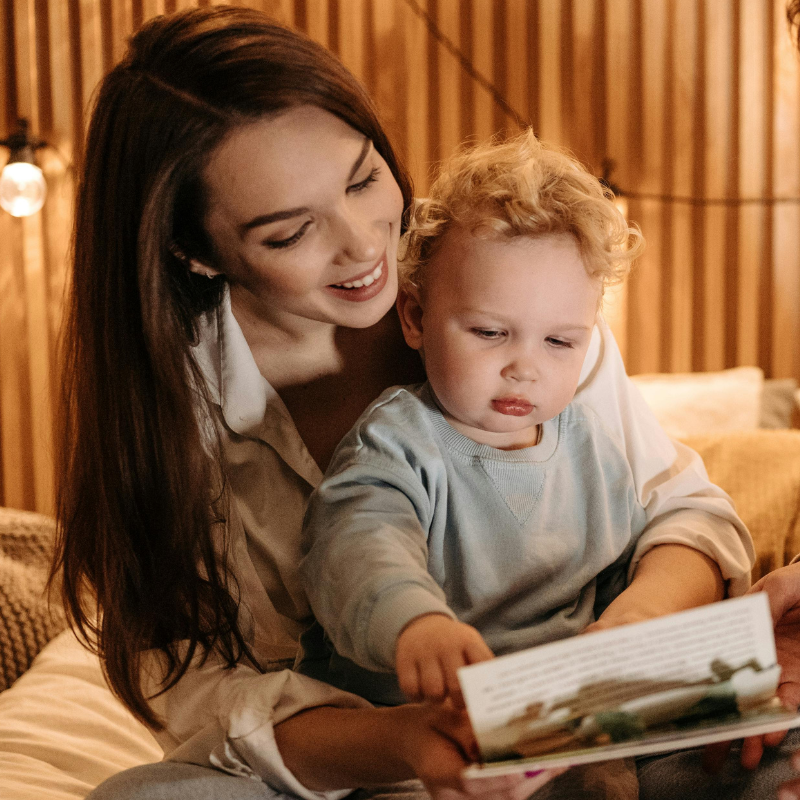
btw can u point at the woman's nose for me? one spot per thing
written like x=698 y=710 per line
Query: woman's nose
x=358 y=239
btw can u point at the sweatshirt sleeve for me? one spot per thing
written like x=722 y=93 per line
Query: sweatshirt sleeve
x=682 y=506
x=366 y=526
x=225 y=718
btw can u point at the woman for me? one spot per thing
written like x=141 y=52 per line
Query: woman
x=235 y=259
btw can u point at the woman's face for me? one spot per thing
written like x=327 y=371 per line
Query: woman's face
x=304 y=216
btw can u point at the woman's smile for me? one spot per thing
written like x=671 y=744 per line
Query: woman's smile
x=364 y=286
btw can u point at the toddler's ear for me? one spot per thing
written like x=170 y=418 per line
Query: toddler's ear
x=410 y=312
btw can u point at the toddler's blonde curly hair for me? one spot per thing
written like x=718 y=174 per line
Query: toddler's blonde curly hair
x=521 y=187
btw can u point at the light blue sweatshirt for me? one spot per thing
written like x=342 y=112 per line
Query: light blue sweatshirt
x=528 y=546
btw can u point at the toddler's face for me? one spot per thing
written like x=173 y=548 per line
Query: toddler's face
x=504 y=327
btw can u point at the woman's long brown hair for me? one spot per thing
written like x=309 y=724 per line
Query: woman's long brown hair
x=141 y=511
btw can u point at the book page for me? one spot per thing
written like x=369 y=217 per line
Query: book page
x=577 y=677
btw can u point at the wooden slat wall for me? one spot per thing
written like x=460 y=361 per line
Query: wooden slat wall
x=691 y=98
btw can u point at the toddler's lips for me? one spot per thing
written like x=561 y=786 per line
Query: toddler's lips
x=513 y=406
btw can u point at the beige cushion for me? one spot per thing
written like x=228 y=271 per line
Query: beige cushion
x=62 y=732
x=760 y=470
x=688 y=404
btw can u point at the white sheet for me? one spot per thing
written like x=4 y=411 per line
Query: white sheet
x=62 y=732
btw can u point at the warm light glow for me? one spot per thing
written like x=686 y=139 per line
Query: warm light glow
x=621 y=203
x=22 y=189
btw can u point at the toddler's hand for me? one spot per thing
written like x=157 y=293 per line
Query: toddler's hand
x=429 y=651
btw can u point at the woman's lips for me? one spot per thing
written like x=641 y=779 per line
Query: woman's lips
x=372 y=283
x=513 y=406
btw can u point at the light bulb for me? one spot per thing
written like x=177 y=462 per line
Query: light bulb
x=22 y=189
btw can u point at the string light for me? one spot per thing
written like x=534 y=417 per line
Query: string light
x=22 y=185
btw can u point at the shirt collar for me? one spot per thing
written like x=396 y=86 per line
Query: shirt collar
x=250 y=406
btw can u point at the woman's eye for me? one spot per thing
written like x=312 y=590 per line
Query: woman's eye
x=489 y=333
x=558 y=342
x=361 y=185
x=277 y=244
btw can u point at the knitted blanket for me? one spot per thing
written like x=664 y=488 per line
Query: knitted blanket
x=27 y=622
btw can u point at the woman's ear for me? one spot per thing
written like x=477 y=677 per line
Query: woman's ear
x=410 y=312
x=193 y=264
x=199 y=268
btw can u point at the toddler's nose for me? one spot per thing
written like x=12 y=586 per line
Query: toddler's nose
x=521 y=368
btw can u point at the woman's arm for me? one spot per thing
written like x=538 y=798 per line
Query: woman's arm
x=330 y=748
x=668 y=578
x=344 y=747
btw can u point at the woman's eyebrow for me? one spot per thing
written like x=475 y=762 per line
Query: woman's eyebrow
x=278 y=216
x=265 y=219
x=360 y=160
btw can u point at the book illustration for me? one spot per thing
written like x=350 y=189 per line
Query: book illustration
x=703 y=675
x=726 y=696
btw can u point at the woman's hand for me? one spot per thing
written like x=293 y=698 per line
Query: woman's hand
x=783 y=590
x=338 y=748
x=438 y=760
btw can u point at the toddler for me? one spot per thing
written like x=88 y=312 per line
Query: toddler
x=488 y=510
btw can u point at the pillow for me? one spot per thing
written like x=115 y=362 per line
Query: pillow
x=760 y=470
x=62 y=732
x=688 y=404
x=27 y=622
x=779 y=403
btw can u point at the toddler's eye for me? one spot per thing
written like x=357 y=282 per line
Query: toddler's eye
x=552 y=340
x=488 y=333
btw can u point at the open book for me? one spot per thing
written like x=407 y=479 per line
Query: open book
x=687 y=679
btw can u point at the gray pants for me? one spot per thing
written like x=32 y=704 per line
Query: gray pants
x=672 y=777
x=169 y=780
x=679 y=775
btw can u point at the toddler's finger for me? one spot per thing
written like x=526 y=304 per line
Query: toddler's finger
x=431 y=679
x=477 y=651
x=451 y=662
x=408 y=679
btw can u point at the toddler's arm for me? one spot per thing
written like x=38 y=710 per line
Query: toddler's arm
x=668 y=578
x=429 y=651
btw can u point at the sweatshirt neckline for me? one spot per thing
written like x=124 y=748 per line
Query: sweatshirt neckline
x=455 y=440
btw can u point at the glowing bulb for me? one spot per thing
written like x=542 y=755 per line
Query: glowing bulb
x=22 y=189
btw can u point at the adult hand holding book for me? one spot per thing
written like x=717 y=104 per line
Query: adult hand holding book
x=782 y=588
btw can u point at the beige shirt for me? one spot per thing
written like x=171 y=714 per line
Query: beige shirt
x=226 y=717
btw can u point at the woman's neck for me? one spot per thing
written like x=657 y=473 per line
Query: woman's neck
x=327 y=375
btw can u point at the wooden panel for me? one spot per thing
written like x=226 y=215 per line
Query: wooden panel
x=786 y=217
x=754 y=128
x=682 y=112
x=516 y=57
x=482 y=125
x=646 y=289
x=417 y=154
x=449 y=79
x=549 y=72
x=317 y=22
x=696 y=101
x=618 y=55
